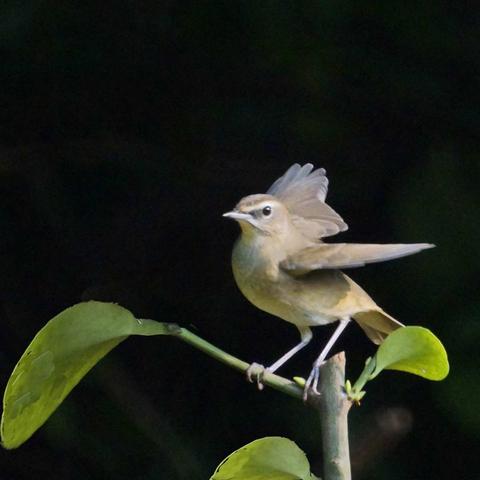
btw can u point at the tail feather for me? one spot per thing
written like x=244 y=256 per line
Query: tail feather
x=377 y=324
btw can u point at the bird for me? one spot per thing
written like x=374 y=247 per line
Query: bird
x=282 y=265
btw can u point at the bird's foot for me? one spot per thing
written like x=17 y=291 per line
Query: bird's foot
x=255 y=373
x=311 y=385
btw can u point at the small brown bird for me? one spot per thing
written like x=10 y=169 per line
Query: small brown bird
x=283 y=267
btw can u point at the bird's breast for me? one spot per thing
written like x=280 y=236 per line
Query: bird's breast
x=254 y=273
x=267 y=287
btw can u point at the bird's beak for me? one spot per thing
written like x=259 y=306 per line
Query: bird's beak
x=237 y=215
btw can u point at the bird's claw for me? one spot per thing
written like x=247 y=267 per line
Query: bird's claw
x=255 y=373
x=311 y=385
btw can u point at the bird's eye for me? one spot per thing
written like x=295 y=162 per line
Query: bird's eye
x=267 y=211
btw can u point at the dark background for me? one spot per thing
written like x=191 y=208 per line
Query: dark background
x=127 y=128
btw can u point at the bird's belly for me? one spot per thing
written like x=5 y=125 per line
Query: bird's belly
x=284 y=299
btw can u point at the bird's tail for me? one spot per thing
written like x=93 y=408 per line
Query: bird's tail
x=377 y=324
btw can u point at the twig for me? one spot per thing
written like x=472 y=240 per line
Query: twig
x=334 y=407
x=275 y=381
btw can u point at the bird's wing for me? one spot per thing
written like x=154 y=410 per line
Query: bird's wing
x=303 y=191
x=346 y=255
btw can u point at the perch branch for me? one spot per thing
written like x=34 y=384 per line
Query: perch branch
x=274 y=381
x=334 y=407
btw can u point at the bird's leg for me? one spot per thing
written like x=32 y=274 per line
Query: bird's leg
x=257 y=370
x=312 y=381
x=306 y=336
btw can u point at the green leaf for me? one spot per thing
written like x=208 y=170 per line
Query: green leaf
x=61 y=353
x=415 y=350
x=269 y=458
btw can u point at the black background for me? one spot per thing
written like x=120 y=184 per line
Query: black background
x=127 y=129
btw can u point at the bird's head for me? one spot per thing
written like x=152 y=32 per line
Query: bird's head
x=260 y=214
x=293 y=206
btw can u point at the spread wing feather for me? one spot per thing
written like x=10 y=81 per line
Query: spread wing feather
x=303 y=191
x=346 y=255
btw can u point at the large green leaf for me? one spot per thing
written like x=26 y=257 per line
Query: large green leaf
x=269 y=458
x=62 y=352
x=415 y=350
